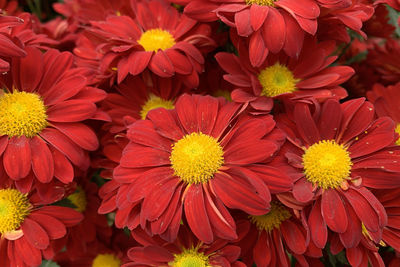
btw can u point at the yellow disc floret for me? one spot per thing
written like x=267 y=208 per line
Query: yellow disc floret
x=14 y=207
x=398 y=131
x=22 y=114
x=196 y=157
x=261 y=2
x=190 y=258
x=155 y=102
x=327 y=164
x=78 y=198
x=277 y=80
x=273 y=219
x=155 y=39
x=106 y=260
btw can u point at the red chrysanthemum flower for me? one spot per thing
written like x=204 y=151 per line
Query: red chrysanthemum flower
x=187 y=250
x=42 y=105
x=180 y=160
x=271 y=235
x=275 y=25
x=28 y=228
x=309 y=75
x=158 y=38
x=337 y=152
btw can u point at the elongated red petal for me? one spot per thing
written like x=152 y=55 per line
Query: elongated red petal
x=42 y=160
x=319 y=232
x=196 y=213
x=333 y=211
x=17 y=157
x=35 y=234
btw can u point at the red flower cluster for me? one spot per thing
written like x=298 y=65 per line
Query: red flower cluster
x=200 y=133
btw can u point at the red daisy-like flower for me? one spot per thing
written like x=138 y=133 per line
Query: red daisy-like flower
x=28 y=228
x=187 y=250
x=273 y=25
x=181 y=160
x=271 y=235
x=309 y=75
x=158 y=38
x=42 y=106
x=338 y=152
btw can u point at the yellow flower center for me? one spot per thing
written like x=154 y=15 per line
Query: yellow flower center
x=327 y=164
x=14 y=207
x=261 y=2
x=398 y=131
x=273 y=219
x=155 y=39
x=22 y=113
x=277 y=80
x=155 y=102
x=196 y=157
x=106 y=260
x=78 y=198
x=190 y=258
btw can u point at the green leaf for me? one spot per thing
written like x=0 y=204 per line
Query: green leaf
x=46 y=263
x=393 y=18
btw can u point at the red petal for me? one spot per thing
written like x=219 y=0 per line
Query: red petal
x=196 y=213
x=181 y=63
x=379 y=135
x=158 y=200
x=143 y=132
x=329 y=121
x=307 y=9
x=54 y=228
x=238 y=195
x=67 y=216
x=305 y=124
x=17 y=157
x=252 y=151
x=138 y=61
x=165 y=124
x=242 y=22
x=136 y=156
x=317 y=81
x=319 y=232
x=363 y=209
x=3 y=143
x=186 y=109
x=71 y=111
x=65 y=145
x=258 y=14
x=66 y=88
x=42 y=160
x=257 y=49
x=220 y=218
x=63 y=169
x=161 y=65
x=274 y=31
x=207 y=111
x=303 y=190
x=294 y=238
x=35 y=234
x=82 y=135
x=23 y=250
x=30 y=69
x=333 y=211
x=353 y=234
